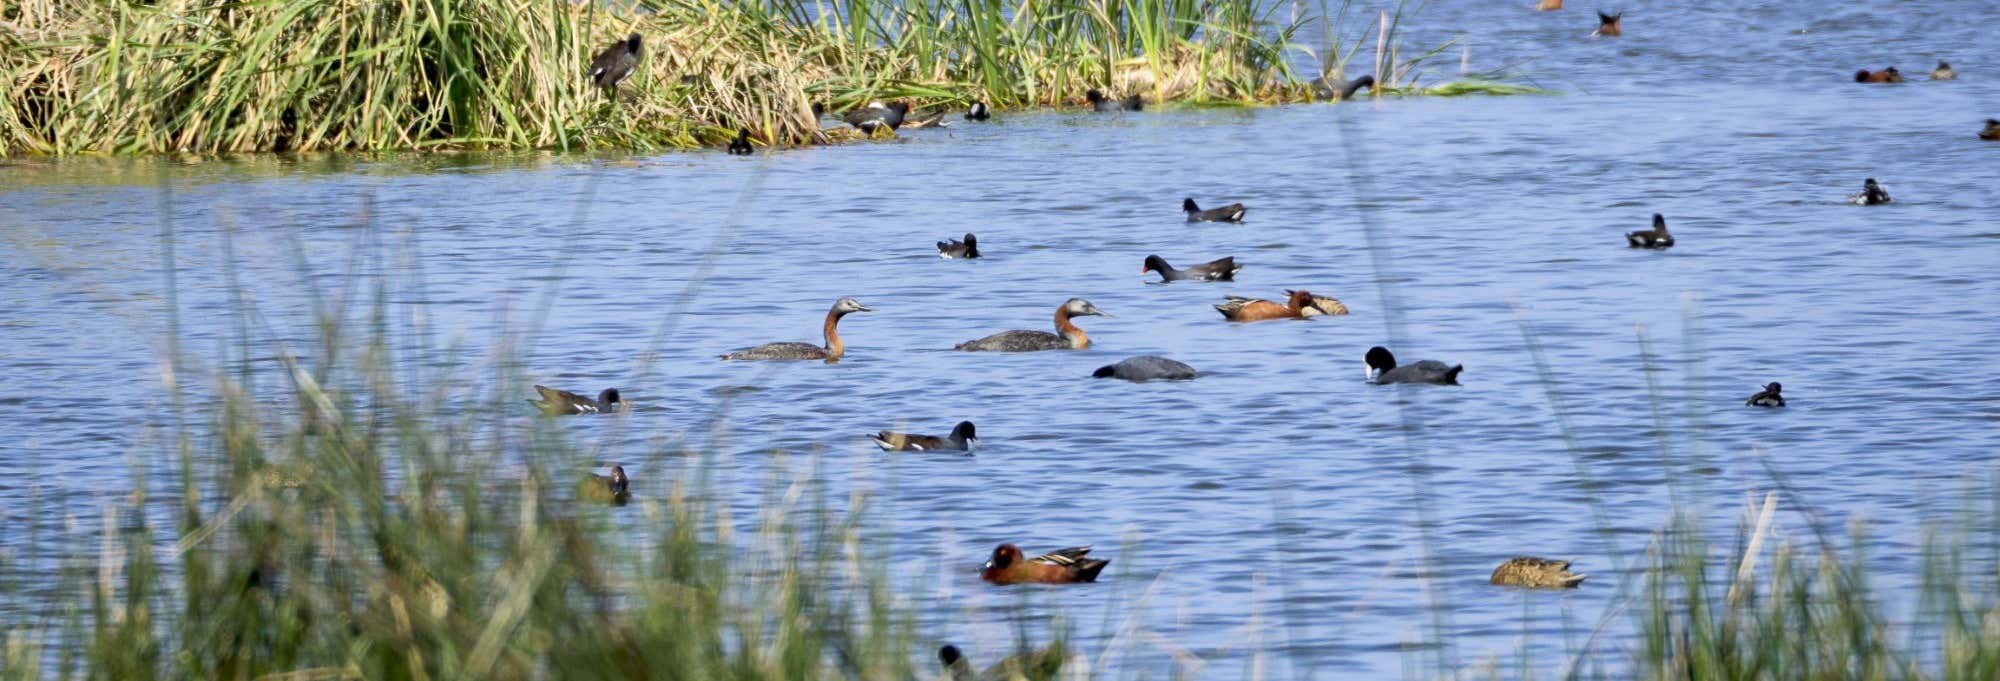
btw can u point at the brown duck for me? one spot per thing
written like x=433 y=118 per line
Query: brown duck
x=1536 y=573
x=1008 y=566
x=1297 y=305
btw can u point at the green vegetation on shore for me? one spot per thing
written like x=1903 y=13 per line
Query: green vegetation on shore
x=203 y=77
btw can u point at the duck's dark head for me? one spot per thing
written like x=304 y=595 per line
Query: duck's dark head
x=610 y=398
x=819 y=109
x=1106 y=371
x=619 y=483
x=1861 y=76
x=1379 y=359
x=632 y=43
x=1943 y=66
x=1869 y=183
x=743 y=135
x=1604 y=20
x=964 y=431
x=1094 y=97
x=970 y=240
x=1004 y=557
x=1299 y=300
x=949 y=655
x=1659 y=222
x=1893 y=73
x=1775 y=387
x=1188 y=206
x=1154 y=263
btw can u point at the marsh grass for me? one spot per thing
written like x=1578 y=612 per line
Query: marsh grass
x=190 y=76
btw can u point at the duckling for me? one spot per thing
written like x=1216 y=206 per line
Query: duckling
x=565 y=403
x=741 y=145
x=1099 y=102
x=1888 y=75
x=1044 y=663
x=1322 y=305
x=962 y=438
x=614 y=489
x=953 y=248
x=876 y=116
x=1067 y=566
x=1771 y=396
x=1146 y=368
x=1607 y=25
x=1655 y=238
x=1871 y=194
x=1221 y=269
x=1298 y=305
x=978 y=112
x=1324 y=88
x=1382 y=369
x=1549 y=5
x=1536 y=573
x=611 y=66
x=1943 y=72
x=787 y=351
x=1230 y=213
x=1066 y=337
x=1991 y=131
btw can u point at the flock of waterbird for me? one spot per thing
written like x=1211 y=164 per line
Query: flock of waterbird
x=1008 y=564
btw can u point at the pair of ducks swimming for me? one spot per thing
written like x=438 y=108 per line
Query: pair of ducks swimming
x=1944 y=71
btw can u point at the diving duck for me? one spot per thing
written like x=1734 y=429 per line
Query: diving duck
x=1007 y=566
x=962 y=438
x=1099 y=102
x=1871 y=194
x=1382 y=369
x=1221 y=269
x=1230 y=213
x=953 y=248
x=1655 y=238
x=1771 y=396
x=741 y=145
x=876 y=116
x=978 y=112
x=1943 y=72
x=1066 y=337
x=1146 y=368
x=1297 y=305
x=787 y=351
x=1607 y=25
x=1888 y=75
x=614 y=489
x=1325 y=89
x=1044 y=663
x=1536 y=573
x=565 y=403
x=611 y=66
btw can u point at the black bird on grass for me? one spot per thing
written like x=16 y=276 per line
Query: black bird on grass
x=611 y=66
x=741 y=145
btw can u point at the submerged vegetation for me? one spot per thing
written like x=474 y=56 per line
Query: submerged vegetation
x=203 y=77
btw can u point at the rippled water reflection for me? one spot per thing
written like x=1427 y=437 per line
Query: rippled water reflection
x=1276 y=504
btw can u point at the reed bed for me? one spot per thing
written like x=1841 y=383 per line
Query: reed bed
x=194 y=76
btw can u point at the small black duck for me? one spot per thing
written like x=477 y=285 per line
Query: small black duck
x=565 y=403
x=1607 y=25
x=1146 y=368
x=1382 y=369
x=1045 y=663
x=1655 y=238
x=1221 y=269
x=1536 y=573
x=741 y=145
x=1771 y=396
x=1888 y=75
x=877 y=116
x=614 y=489
x=962 y=438
x=1872 y=194
x=1944 y=72
x=955 y=249
x=611 y=66
x=1230 y=213
x=1325 y=89
x=1099 y=102
x=978 y=112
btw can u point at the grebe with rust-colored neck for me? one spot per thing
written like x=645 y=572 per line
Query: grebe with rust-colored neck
x=833 y=349
x=1066 y=337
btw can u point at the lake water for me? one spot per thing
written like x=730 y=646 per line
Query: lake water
x=1277 y=504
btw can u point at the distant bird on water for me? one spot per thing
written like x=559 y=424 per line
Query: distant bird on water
x=741 y=145
x=1656 y=238
x=1943 y=72
x=950 y=249
x=1771 y=396
x=1888 y=75
x=1872 y=194
x=1099 y=102
x=1549 y=5
x=1991 y=131
x=1324 y=88
x=978 y=112
x=1536 y=573
x=565 y=403
x=1230 y=213
x=611 y=66
x=1607 y=25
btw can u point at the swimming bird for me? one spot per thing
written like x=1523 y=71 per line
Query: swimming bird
x=1536 y=573
x=1007 y=566
x=962 y=438
x=1771 y=396
x=1991 y=131
x=877 y=115
x=1146 y=368
x=1888 y=75
x=1549 y=5
x=1383 y=370
x=1297 y=305
x=614 y=489
x=1099 y=102
x=565 y=403
x=1322 y=305
x=1607 y=25
x=1230 y=213
x=741 y=145
x=1871 y=194
x=953 y=248
x=1066 y=337
x=1943 y=72
x=1043 y=663
x=1325 y=89
x=1656 y=238
x=833 y=350
x=1222 y=269
x=978 y=112
x=611 y=66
